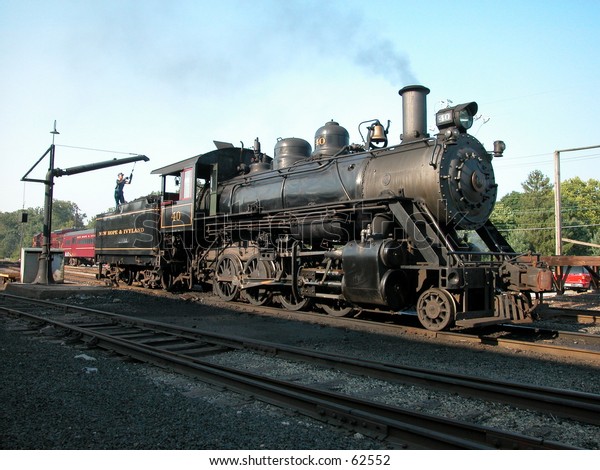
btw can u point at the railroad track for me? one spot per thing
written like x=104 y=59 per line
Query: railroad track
x=183 y=349
x=549 y=343
x=82 y=273
x=573 y=314
x=546 y=342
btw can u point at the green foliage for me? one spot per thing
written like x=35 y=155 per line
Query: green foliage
x=15 y=235
x=66 y=214
x=9 y=238
x=537 y=213
x=537 y=184
x=596 y=241
x=580 y=209
x=581 y=200
x=526 y=219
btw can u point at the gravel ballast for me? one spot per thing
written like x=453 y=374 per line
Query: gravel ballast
x=60 y=396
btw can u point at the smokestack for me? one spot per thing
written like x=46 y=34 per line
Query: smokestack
x=414 y=112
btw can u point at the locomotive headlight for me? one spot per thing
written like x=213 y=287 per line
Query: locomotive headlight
x=460 y=117
x=465 y=118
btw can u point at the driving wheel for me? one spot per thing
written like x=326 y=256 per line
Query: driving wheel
x=256 y=269
x=337 y=308
x=289 y=301
x=226 y=283
x=291 y=298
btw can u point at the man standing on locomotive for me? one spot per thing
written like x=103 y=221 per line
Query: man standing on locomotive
x=121 y=182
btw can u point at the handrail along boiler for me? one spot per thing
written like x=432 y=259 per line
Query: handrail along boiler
x=345 y=227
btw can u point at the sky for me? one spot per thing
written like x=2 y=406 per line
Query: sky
x=166 y=78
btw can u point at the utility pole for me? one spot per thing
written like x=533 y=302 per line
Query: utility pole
x=557 y=203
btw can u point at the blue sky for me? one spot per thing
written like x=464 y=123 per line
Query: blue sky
x=166 y=78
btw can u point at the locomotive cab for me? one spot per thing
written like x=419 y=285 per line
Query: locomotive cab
x=178 y=190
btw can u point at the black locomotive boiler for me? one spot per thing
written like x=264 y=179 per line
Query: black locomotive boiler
x=344 y=227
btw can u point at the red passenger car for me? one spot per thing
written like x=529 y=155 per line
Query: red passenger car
x=79 y=247
x=56 y=238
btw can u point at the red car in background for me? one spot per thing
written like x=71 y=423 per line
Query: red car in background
x=578 y=279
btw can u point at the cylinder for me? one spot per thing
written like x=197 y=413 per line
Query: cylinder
x=414 y=112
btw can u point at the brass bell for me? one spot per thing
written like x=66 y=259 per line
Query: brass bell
x=378 y=133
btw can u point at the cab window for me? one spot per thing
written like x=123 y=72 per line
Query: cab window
x=186 y=191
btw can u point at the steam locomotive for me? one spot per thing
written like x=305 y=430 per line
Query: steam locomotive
x=341 y=227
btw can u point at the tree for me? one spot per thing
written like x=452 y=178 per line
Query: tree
x=537 y=212
x=527 y=219
x=537 y=183
x=581 y=200
x=15 y=235
x=596 y=240
x=505 y=218
x=66 y=214
x=580 y=203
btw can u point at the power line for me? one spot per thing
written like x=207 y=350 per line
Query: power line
x=512 y=164
x=97 y=150
x=516 y=161
x=549 y=210
x=529 y=229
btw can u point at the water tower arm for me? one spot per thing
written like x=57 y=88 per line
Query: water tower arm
x=98 y=166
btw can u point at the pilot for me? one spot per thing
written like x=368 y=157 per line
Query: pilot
x=119 y=197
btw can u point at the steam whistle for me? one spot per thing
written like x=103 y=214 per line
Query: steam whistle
x=257 y=153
